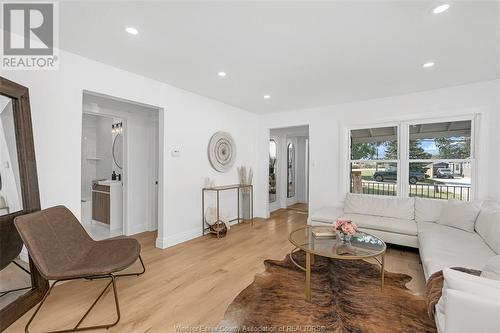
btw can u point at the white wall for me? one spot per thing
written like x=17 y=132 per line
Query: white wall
x=327 y=136
x=493 y=144
x=104 y=142
x=89 y=153
x=188 y=122
x=301 y=178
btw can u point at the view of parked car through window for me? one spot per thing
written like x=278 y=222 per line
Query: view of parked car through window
x=438 y=160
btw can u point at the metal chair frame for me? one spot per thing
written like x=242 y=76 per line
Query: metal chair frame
x=77 y=327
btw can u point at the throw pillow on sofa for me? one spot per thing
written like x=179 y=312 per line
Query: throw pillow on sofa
x=488 y=226
x=460 y=214
x=492 y=269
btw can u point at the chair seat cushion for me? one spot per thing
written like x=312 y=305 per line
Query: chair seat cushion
x=105 y=257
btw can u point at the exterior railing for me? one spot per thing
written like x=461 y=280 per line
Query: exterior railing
x=433 y=191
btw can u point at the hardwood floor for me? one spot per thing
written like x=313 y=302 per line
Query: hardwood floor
x=12 y=277
x=190 y=284
x=301 y=207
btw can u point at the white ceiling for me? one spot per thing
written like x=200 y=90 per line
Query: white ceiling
x=303 y=54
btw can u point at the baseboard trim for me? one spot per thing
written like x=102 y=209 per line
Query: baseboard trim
x=163 y=243
x=178 y=238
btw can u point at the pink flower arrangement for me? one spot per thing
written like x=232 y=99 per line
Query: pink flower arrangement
x=347 y=227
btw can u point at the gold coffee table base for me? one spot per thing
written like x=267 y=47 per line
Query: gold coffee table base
x=377 y=253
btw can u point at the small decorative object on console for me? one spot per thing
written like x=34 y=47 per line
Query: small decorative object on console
x=345 y=229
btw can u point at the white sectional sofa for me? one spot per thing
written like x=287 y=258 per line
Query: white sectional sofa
x=447 y=233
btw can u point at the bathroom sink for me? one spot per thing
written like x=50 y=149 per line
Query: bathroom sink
x=108 y=182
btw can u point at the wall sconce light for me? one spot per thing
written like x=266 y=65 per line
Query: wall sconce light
x=117 y=128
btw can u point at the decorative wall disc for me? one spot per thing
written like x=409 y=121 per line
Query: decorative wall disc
x=221 y=151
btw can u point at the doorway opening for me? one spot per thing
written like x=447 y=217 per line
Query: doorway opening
x=289 y=168
x=120 y=166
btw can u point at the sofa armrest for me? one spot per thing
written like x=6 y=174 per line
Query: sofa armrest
x=465 y=313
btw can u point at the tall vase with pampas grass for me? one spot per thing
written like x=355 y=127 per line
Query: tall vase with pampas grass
x=245 y=179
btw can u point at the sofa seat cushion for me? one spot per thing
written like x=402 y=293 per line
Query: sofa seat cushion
x=382 y=223
x=442 y=247
x=328 y=214
x=377 y=205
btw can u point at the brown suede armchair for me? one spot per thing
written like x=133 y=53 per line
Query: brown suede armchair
x=62 y=250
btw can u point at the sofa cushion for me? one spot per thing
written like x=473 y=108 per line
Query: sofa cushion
x=327 y=214
x=492 y=269
x=460 y=214
x=471 y=303
x=441 y=246
x=401 y=208
x=488 y=226
x=471 y=284
x=470 y=313
x=428 y=210
x=381 y=223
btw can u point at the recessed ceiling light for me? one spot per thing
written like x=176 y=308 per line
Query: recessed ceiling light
x=267 y=96
x=428 y=64
x=132 y=31
x=221 y=74
x=441 y=8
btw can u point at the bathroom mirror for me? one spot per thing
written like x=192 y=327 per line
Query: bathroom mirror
x=21 y=285
x=118 y=150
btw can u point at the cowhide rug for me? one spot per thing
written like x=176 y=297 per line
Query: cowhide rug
x=346 y=297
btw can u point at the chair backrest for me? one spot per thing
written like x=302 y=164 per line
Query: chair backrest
x=10 y=243
x=54 y=238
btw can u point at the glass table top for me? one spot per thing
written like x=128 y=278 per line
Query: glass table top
x=362 y=245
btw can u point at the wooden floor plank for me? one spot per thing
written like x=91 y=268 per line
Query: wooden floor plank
x=192 y=283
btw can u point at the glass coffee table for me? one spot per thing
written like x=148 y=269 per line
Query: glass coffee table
x=361 y=246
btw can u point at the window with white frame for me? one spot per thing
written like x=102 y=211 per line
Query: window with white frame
x=440 y=157
x=434 y=157
x=374 y=162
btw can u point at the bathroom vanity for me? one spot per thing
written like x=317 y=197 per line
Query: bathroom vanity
x=107 y=203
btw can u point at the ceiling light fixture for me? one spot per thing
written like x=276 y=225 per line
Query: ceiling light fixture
x=267 y=96
x=221 y=74
x=132 y=31
x=441 y=8
x=428 y=64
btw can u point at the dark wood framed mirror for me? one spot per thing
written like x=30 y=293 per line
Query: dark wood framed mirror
x=18 y=196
